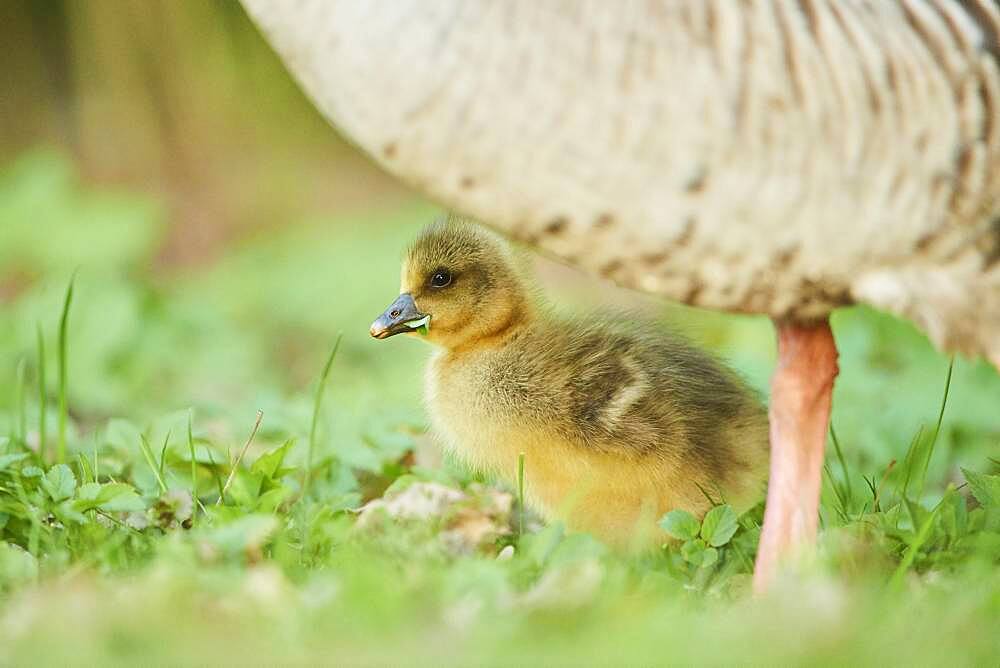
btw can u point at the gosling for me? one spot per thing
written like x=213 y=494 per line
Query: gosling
x=619 y=422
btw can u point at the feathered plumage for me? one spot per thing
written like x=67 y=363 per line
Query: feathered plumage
x=620 y=421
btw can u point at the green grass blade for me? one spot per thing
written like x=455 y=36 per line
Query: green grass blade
x=841 y=507
x=937 y=427
x=194 y=468
x=239 y=458
x=871 y=485
x=147 y=452
x=843 y=467
x=908 y=461
x=911 y=551
x=874 y=492
x=43 y=393
x=163 y=454
x=317 y=404
x=63 y=372
x=20 y=429
x=86 y=472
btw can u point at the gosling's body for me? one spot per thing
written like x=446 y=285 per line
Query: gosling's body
x=618 y=426
x=619 y=422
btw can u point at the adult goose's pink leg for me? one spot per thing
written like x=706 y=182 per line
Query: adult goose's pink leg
x=800 y=416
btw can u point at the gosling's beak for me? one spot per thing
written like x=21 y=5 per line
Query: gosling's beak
x=401 y=316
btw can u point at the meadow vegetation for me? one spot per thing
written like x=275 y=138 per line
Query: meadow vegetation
x=205 y=459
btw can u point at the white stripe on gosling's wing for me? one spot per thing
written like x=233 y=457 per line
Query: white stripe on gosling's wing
x=627 y=395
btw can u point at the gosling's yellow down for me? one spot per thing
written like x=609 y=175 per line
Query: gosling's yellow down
x=619 y=422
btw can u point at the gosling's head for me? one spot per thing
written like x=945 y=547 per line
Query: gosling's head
x=460 y=285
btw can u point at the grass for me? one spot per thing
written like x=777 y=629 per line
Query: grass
x=147 y=453
x=43 y=396
x=317 y=407
x=63 y=373
x=239 y=459
x=20 y=412
x=141 y=539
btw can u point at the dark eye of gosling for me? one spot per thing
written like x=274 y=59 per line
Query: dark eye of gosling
x=441 y=278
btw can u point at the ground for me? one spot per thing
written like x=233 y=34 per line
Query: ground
x=152 y=524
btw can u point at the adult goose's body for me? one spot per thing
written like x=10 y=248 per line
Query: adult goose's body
x=782 y=157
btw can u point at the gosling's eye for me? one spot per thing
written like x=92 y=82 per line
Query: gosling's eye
x=441 y=278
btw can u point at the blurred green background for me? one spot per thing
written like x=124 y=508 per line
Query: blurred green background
x=222 y=235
